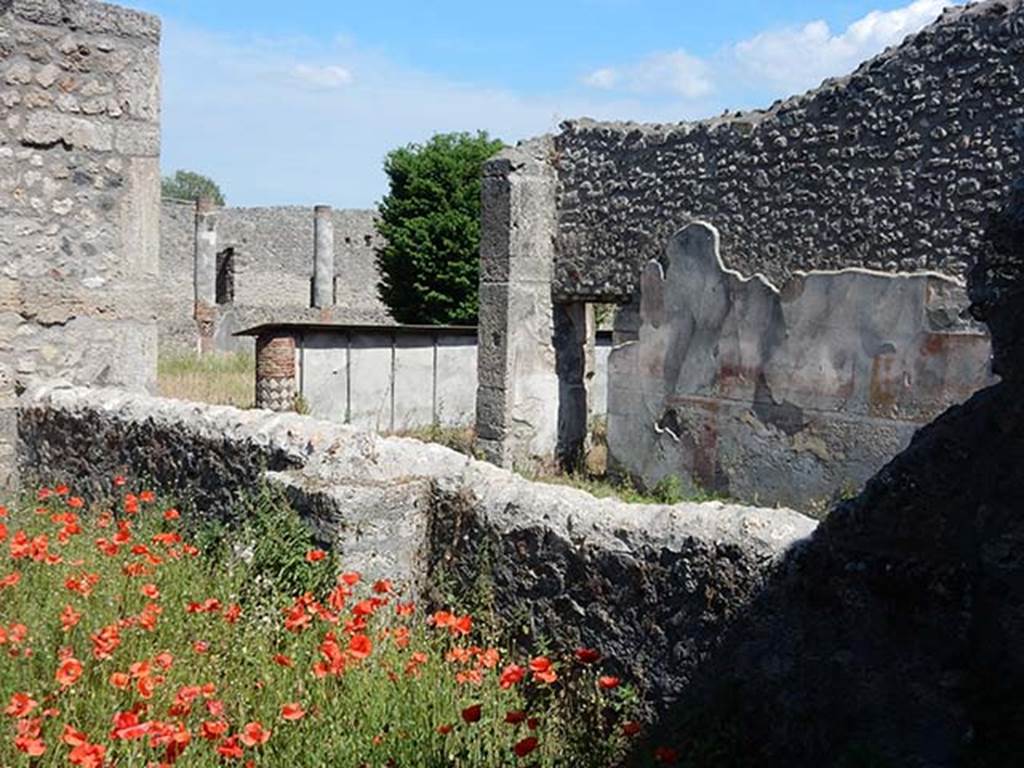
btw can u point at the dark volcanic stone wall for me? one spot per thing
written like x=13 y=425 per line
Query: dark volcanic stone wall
x=895 y=167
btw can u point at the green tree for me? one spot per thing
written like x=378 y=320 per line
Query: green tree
x=430 y=222
x=187 y=185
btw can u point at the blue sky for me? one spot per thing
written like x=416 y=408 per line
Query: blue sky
x=297 y=103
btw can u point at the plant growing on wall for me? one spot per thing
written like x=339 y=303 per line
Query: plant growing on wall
x=430 y=221
x=188 y=185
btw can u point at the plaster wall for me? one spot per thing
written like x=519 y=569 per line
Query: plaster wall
x=786 y=396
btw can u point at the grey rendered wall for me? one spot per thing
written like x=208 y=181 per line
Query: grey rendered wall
x=784 y=396
x=389 y=380
x=79 y=198
x=895 y=167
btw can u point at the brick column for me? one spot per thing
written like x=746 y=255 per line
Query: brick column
x=275 y=372
x=518 y=389
x=205 y=275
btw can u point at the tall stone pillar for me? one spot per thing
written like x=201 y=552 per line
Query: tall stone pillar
x=323 y=257
x=518 y=390
x=205 y=277
x=574 y=355
x=275 y=372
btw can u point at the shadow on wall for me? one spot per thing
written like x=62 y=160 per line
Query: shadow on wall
x=788 y=396
x=895 y=636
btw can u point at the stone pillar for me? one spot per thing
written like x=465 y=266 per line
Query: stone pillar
x=323 y=257
x=205 y=277
x=517 y=395
x=574 y=324
x=275 y=372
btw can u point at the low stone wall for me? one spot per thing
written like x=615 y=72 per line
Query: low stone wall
x=654 y=587
x=789 y=395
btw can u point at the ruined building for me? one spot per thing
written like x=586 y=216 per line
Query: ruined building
x=248 y=266
x=791 y=387
x=890 y=633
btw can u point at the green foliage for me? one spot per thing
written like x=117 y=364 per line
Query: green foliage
x=266 y=547
x=188 y=185
x=669 y=490
x=430 y=221
x=110 y=612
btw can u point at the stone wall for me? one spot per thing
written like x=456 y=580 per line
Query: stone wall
x=273 y=268
x=79 y=197
x=895 y=167
x=895 y=636
x=793 y=395
x=653 y=587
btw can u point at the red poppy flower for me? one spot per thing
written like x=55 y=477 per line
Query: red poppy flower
x=211 y=730
x=526 y=746
x=515 y=716
x=254 y=735
x=73 y=737
x=292 y=712
x=88 y=755
x=151 y=591
x=315 y=555
x=283 y=661
x=472 y=714
x=172 y=514
x=511 y=675
x=666 y=756
x=68 y=672
x=588 y=655
x=21 y=705
x=120 y=680
x=445 y=729
x=10 y=580
x=29 y=745
x=360 y=646
x=630 y=728
x=608 y=682
x=543 y=670
x=229 y=748
x=69 y=618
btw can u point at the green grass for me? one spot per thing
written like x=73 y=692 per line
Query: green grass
x=377 y=680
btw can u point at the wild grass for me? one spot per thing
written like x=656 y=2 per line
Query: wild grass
x=128 y=641
x=217 y=379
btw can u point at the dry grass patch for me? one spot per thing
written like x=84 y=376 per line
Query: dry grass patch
x=219 y=379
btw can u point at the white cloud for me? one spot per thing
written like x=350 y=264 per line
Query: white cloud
x=604 y=79
x=675 y=72
x=329 y=76
x=780 y=61
x=801 y=57
x=232 y=109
